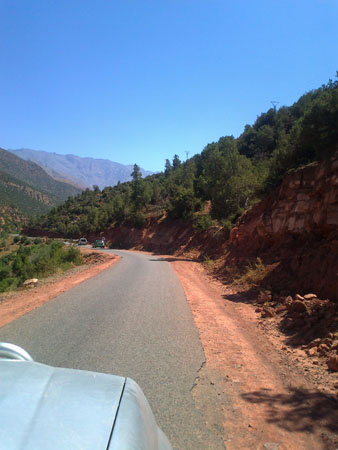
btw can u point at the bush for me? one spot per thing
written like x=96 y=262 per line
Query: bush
x=138 y=219
x=8 y=284
x=36 y=261
x=253 y=274
x=73 y=255
x=202 y=222
x=208 y=262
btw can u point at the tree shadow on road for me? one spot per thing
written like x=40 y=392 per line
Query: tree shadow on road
x=300 y=410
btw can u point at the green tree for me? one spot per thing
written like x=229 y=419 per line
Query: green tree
x=168 y=168
x=176 y=162
x=138 y=188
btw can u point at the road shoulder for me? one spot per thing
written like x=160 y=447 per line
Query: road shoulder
x=16 y=304
x=249 y=392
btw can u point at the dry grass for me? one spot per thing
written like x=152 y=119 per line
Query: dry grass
x=253 y=273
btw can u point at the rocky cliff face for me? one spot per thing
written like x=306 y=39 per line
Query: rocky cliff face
x=306 y=203
x=297 y=225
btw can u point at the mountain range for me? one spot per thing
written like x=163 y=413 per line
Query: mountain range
x=83 y=172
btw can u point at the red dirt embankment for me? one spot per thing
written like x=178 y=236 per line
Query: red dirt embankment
x=294 y=231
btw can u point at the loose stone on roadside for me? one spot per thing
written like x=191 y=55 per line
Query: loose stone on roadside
x=264 y=297
x=332 y=363
x=271 y=446
x=30 y=283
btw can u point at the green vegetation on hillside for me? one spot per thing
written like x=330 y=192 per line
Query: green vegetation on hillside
x=22 y=196
x=35 y=260
x=218 y=184
x=26 y=190
x=33 y=175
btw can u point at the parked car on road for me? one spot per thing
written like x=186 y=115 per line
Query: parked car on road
x=51 y=408
x=82 y=241
x=98 y=243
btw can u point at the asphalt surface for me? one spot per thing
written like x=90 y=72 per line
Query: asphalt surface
x=131 y=320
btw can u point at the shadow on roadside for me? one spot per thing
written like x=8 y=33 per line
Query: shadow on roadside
x=248 y=296
x=300 y=410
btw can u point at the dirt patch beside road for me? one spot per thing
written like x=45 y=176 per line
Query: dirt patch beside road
x=250 y=391
x=16 y=304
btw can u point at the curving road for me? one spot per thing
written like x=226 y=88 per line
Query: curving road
x=132 y=320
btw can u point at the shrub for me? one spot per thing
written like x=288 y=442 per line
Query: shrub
x=253 y=273
x=38 y=260
x=208 y=262
x=73 y=255
x=8 y=284
x=202 y=222
x=138 y=219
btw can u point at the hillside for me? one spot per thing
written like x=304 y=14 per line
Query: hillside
x=26 y=190
x=34 y=175
x=85 y=172
x=24 y=197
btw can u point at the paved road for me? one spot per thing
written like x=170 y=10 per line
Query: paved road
x=131 y=320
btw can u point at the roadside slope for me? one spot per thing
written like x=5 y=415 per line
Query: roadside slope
x=253 y=388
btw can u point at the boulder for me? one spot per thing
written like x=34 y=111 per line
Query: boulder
x=268 y=312
x=312 y=351
x=314 y=343
x=288 y=300
x=332 y=363
x=323 y=348
x=264 y=297
x=328 y=341
x=297 y=306
x=310 y=296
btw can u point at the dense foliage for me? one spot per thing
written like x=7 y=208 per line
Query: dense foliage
x=217 y=184
x=35 y=260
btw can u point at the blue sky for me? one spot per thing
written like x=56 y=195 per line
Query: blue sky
x=140 y=80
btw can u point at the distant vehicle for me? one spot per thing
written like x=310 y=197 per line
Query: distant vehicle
x=52 y=408
x=98 y=243
x=82 y=241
